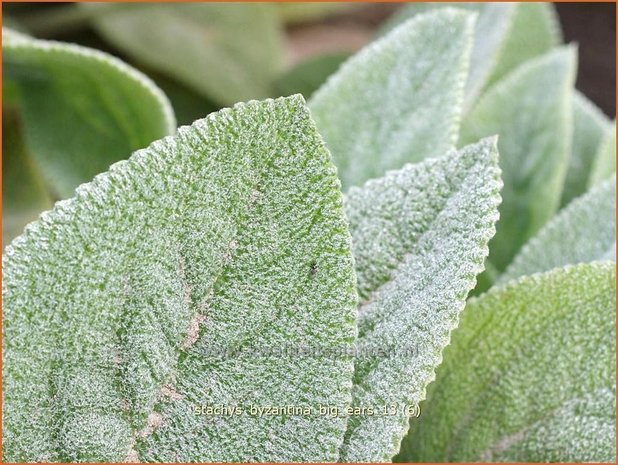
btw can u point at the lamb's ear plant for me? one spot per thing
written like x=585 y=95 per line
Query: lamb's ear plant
x=589 y=128
x=531 y=111
x=223 y=267
x=161 y=284
x=604 y=165
x=585 y=231
x=420 y=237
x=529 y=375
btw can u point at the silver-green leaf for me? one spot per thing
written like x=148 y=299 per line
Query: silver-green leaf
x=529 y=375
x=399 y=99
x=530 y=110
x=227 y=52
x=420 y=237
x=80 y=109
x=584 y=231
x=164 y=286
x=604 y=164
x=533 y=30
x=492 y=28
x=589 y=126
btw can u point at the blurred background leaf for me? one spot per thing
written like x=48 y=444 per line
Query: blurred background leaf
x=79 y=110
x=227 y=52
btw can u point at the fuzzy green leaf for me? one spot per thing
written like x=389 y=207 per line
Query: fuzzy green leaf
x=584 y=231
x=589 y=125
x=490 y=34
x=419 y=236
x=530 y=110
x=529 y=375
x=81 y=110
x=227 y=52
x=399 y=99
x=605 y=160
x=162 y=286
x=534 y=30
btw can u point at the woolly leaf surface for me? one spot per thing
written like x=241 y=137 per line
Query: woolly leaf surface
x=589 y=126
x=530 y=110
x=165 y=284
x=420 y=237
x=399 y=99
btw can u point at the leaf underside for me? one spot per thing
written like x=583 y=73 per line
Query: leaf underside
x=494 y=398
x=121 y=304
x=420 y=237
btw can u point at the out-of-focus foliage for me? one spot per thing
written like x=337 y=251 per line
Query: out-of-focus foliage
x=531 y=111
x=420 y=237
x=79 y=110
x=307 y=76
x=589 y=127
x=585 y=231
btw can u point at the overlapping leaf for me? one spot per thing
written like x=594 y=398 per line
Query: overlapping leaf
x=529 y=375
x=584 y=231
x=399 y=99
x=420 y=236
x=506 y=35
x=589 y=125
x=531 y=111
x=604 y=164
x=121 y=304
x=490 y=33
x=80 y=110
x=228 y=52
x=534 y=30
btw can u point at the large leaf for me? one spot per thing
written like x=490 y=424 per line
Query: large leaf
x=584 y=231
x=604 y=164
x=529 y=375
x=534 y=30
x=399 y=99
x=589 y=125
x=164 y=286
x=420 y=236
x=81 y=109
x=228 y=52
x=23 y=194
x=492 y=28
x=530 y=110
